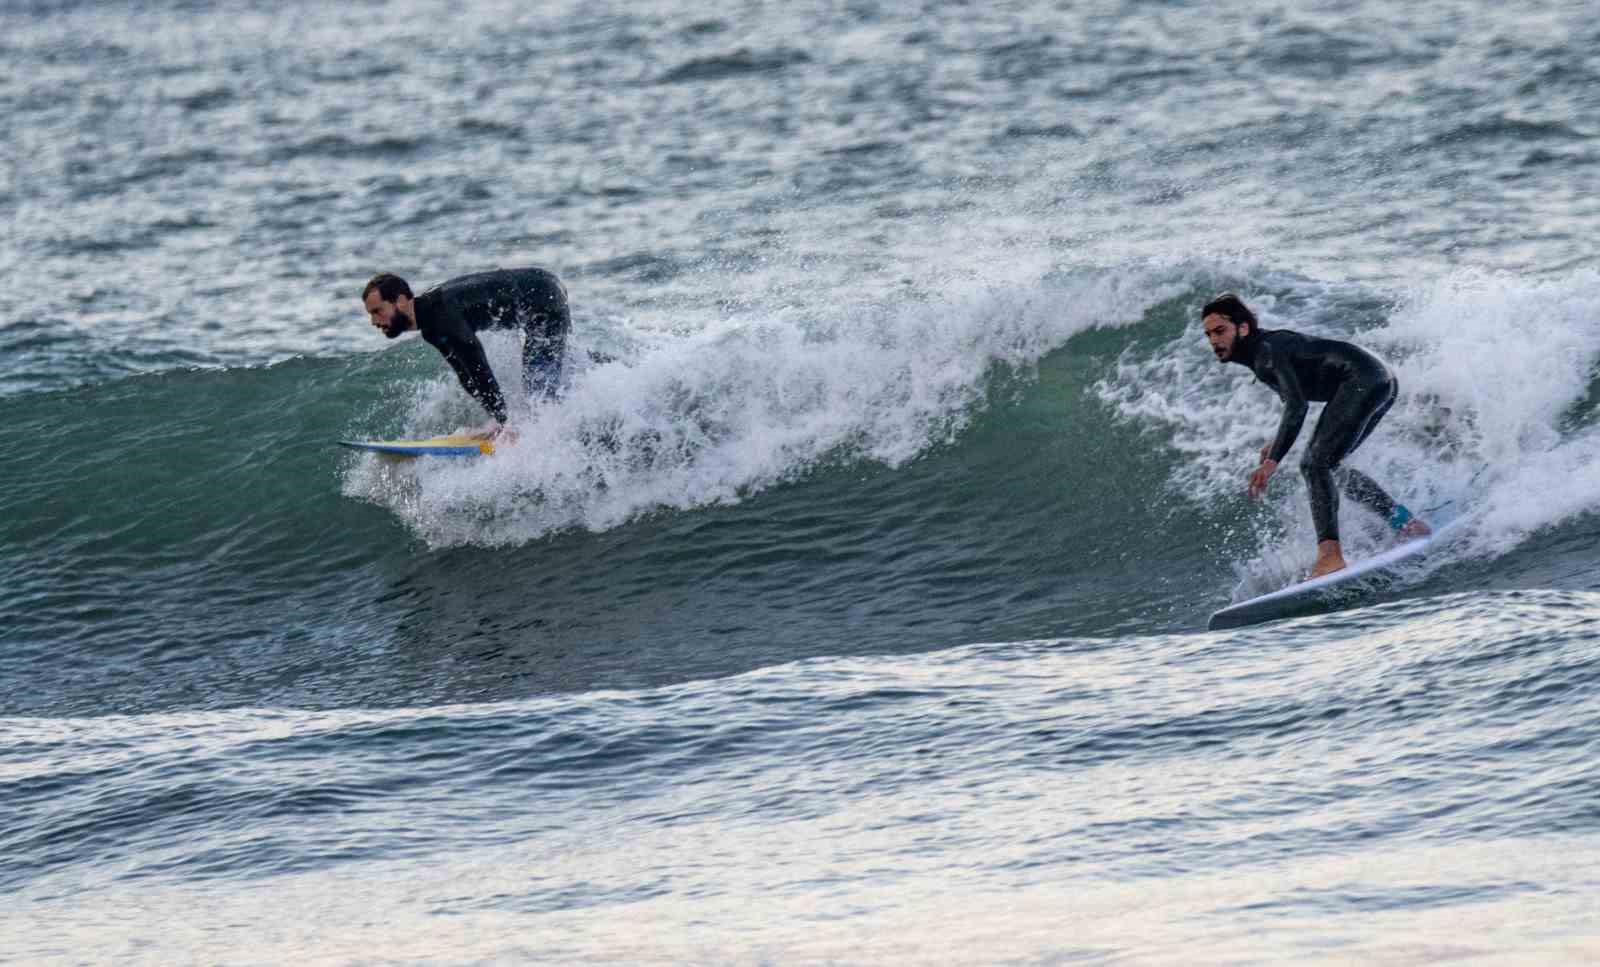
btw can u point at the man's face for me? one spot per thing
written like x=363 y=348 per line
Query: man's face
x=389 y=318
x=1223 y=335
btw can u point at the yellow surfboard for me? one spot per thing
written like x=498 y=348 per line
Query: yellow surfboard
x=439 y=446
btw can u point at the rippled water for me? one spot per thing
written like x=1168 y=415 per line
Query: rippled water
x=848 y=606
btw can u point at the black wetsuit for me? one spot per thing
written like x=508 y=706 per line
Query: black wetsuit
x=1358 y=390
x=450 y=316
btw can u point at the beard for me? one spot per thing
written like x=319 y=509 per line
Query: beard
x=398 y=323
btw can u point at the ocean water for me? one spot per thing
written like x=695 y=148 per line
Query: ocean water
x=849 y=605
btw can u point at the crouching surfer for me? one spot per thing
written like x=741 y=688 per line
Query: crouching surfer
x=1358 y=390
x=451 y=314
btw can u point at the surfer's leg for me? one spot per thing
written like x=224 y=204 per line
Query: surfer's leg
x=1324 y=513
x=1376 y=407
x=1318 y=471
x=1345 y=424
x=546 y=321
x=1365 y=491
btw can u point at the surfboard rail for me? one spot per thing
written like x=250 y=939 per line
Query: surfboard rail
x=440 y=446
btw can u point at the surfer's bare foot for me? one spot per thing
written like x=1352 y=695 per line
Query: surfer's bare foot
x=1329 y=559
x=1414 y=528
x=1327 y=566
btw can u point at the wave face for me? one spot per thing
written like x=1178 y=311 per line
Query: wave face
x=987 y=467
x=847 y=604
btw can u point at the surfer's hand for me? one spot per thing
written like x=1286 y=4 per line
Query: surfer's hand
x=1258 y=480
x=501 y=433
x=487 y=431
x=1266 y=451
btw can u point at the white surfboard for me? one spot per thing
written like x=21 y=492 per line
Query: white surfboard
x=1299 y=598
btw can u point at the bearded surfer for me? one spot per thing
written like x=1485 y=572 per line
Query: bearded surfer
x=1358 y=390
x=451 y=314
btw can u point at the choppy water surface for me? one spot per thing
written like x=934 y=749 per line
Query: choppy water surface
x=847 y=606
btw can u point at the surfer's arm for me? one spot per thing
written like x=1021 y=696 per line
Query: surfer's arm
x=465 y=355
x=1294 y=407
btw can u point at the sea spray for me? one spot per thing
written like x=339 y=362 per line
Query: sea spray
x=710 y=416
x=1491 y=367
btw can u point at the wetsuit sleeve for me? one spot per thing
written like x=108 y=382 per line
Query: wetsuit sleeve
x=1294 y=404
x=465 y=354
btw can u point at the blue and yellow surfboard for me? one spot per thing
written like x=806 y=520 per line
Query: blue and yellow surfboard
x=439 y=446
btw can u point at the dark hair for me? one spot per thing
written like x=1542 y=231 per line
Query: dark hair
x=1230 y=305
x=390 y=287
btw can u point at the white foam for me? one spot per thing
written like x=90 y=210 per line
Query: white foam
x=710 y=415
x=1490 y=368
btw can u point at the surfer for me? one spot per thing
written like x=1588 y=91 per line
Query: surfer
x=1358 y=390
x=451 y=314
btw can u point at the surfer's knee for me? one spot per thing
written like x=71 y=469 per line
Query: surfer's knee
x=1314 y=466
